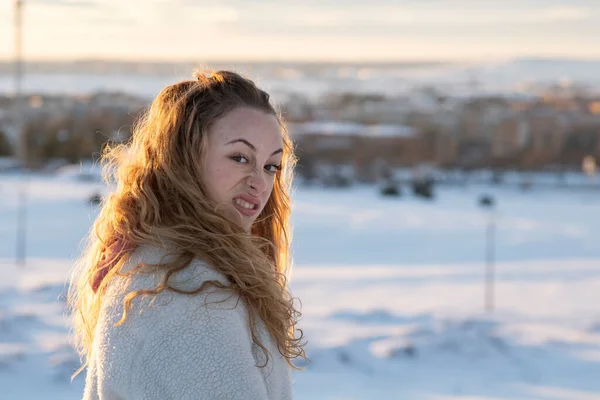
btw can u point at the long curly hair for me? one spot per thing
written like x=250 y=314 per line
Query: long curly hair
x=157 y=197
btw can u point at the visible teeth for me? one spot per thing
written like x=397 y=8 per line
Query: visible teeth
x=244 y=204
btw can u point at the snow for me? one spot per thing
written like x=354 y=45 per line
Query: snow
x=514 y=78
x=392 y=290
x=351 y=129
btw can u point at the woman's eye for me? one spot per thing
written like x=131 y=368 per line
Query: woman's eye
x=272 y=168
x=240 y=159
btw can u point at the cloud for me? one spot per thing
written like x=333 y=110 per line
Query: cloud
x=404 y=21
x=114 y=20
x=566 y=13
x=67 y=3
x=228 y=27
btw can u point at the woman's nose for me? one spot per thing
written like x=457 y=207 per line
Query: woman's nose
x=257 y=182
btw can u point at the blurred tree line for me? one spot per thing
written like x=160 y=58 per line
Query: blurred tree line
x=6 y=148
x=71 y=136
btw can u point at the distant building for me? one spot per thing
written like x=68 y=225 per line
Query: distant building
x=510 y=136
x=364 y=146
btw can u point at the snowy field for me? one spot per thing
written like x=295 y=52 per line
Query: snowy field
x=492 y=77
x=392 y=293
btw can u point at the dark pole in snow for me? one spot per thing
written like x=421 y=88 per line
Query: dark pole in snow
x=488 y=202
x=22 y=225
x=490 y=270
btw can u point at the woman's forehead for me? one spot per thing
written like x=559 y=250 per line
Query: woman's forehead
x=257 y=127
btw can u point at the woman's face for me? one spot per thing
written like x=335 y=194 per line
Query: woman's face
x=243 y=152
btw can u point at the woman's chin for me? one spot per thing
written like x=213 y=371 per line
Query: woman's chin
x=237 y=218
x=244 y=223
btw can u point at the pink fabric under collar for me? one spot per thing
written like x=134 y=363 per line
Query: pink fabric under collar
x=110 y=257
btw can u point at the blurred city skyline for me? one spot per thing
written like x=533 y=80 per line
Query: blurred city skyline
x=381 y=30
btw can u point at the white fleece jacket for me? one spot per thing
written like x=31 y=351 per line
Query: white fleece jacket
x=180 y=346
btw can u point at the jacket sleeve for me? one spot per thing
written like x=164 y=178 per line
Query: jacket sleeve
x=201 y=351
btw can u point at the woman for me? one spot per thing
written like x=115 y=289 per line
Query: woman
x=182 y=292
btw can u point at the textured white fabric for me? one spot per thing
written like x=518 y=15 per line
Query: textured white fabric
x=179 y=346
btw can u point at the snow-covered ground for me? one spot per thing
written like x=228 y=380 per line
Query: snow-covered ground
x=392 y=292
x=508 y=77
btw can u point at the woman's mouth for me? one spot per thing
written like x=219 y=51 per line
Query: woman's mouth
x=245 y=208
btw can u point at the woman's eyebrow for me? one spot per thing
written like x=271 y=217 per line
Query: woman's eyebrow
x=247 y=143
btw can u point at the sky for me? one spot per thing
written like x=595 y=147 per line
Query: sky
x=303 y=30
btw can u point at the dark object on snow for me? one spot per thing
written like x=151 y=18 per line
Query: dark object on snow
x=526 y=185
x=497 y=178
x=391 y=189
x=408 y=351
x=95 y=199
x=487 y=201
x=337 y=181
x=423 y=188
x=344 y=357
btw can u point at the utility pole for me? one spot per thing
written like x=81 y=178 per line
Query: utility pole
x=21 y=146
x=490 y=270
x=18 y=47
x=488 y=202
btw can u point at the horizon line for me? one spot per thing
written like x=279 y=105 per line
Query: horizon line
x=295 y=61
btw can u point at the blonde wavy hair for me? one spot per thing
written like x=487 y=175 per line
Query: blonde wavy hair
x=157 y=193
